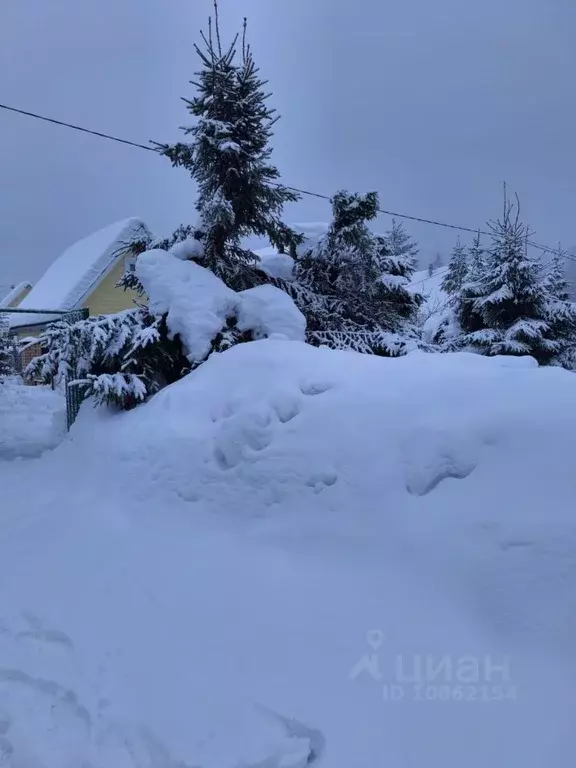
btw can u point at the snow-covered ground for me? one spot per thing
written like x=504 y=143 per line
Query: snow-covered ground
x=293 y=558
x=32 y=420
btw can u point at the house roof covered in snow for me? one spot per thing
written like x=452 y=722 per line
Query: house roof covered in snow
x=74 y=275
x=13 y=294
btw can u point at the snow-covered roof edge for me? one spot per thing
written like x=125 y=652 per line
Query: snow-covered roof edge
x=78 y=271
x=13 y=294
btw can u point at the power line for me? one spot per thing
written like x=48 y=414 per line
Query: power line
x=307 y=193
x=544 y=248
x=76 y=127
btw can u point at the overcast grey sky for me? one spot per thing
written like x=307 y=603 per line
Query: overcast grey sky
x=433 y=104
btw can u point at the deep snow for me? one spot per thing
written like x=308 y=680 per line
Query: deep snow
x=32 y=419
x=244 y=540
x=198 y=304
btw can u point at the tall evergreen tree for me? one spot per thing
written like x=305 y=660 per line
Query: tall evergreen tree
x=229 y=158
x=511 y=299
x=456 y=273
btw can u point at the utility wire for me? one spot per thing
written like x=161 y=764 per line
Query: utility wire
x=307 y=193
x=76 y=127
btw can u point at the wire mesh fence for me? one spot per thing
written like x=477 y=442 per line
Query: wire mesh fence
x=25 y=349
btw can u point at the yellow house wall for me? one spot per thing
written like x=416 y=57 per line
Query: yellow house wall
x=107 y=298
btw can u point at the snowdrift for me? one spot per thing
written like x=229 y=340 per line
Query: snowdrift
x=286 y=422
x=32 y=420
x=236 y=568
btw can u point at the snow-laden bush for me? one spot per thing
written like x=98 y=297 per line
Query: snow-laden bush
x=6 y=356
x=124 y=358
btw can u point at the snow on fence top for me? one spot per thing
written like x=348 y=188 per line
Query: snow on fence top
x=75 y=273
x=13 y=294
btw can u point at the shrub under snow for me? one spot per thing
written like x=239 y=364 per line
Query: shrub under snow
x=124 y=358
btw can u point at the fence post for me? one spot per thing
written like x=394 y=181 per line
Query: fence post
x=74 y=397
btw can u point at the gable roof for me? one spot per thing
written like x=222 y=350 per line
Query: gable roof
x=13 y=294
x=73 y=276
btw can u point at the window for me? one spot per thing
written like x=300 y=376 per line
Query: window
x=129 y=264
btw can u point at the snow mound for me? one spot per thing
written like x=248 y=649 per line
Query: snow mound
x=32 y=420
x=276 y=264
x=196 y=301
x=274 y=419
x=190 y=248
x=267 y=310
x=281 y=265
x=73 y=275
x=255 y=567
x=198 y=304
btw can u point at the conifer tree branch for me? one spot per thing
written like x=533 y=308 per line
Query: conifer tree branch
x=217 y=26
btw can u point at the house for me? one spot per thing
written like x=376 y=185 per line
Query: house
x=15 y=295
x=85 y=276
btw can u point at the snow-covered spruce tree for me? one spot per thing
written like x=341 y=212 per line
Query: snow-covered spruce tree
x=555 y=281
x=476 y=260
x=402 y=248
x=469 y=319
x=395 y=269
x=6 y=356
x=116 y=359
x=560 y=311
x=456 y=273
x=122 y=359
x=448 y=331
x=349 y=301
x=511 y=300
x=228 y=156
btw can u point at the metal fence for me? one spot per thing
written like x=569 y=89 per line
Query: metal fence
x=73 y=395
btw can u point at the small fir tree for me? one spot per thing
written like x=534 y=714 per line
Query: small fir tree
x=511 y=299
x=7 y=367
x=560 y=311
x=468 y=318
x=402 y=248
x=456 y=273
